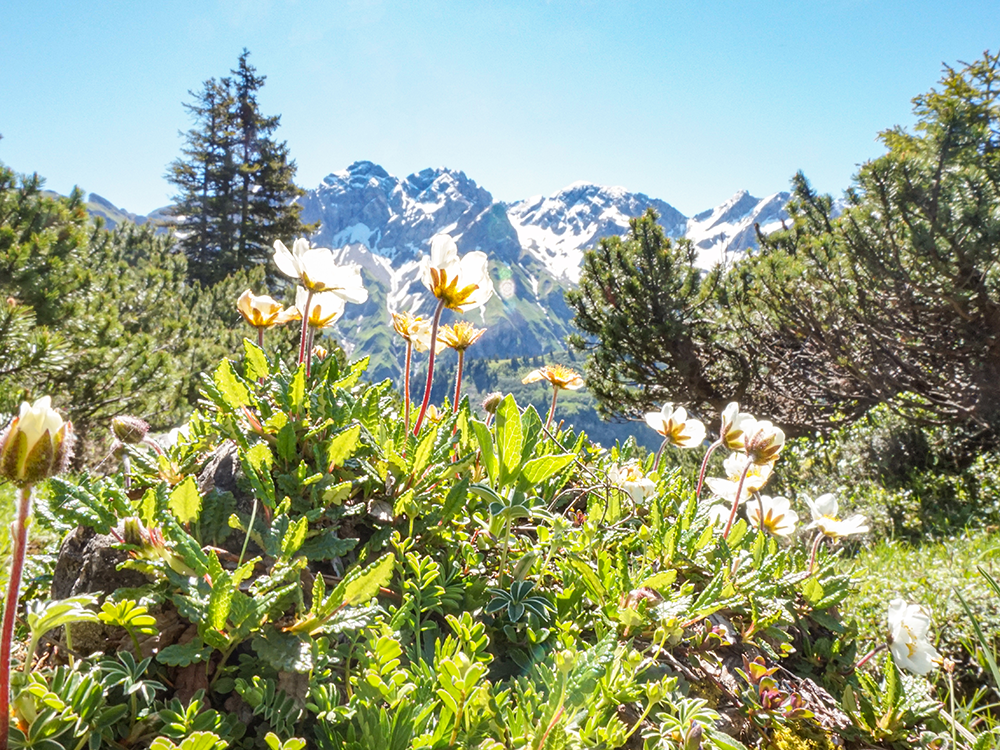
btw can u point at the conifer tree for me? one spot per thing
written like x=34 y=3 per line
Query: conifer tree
x=646 y=317
x=898 y=298
x=235 y=181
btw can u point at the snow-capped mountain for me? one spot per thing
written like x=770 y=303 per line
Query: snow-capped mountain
x=725 y=232
x=557 y=229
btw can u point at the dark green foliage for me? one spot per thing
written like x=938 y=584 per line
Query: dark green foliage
x=899 y=297
x=104 y=321
x=234 y=180
x=648 y=323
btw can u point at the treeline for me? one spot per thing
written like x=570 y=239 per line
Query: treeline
x=106 y=322
x=895 y=300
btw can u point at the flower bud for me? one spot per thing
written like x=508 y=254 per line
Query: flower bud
x=492 y=402
x=37 y=444
x=320 y=352
x=130 y=430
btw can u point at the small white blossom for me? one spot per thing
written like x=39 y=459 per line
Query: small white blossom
x=909 y=643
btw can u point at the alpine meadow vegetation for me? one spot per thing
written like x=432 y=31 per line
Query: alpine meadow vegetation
x=311 y=559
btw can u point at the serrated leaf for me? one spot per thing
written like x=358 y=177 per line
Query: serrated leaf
x=326 y=546
x=185 y=501
x=297 y=390
x=362 y=585
x=539 y=469
x=661 y=581
x=255 y=362
x=343 y=446
x=351 y=379
x=294 y=537
x=510 y=439
x=485 y=439
x=185 y=654
x=422 y=455
x=287 y=442
x=233 y=392
x=286 y=652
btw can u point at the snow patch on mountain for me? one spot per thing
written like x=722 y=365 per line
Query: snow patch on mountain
x=725 y=232
x=555 y=230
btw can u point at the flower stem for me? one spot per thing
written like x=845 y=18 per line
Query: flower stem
x=305 y=327
x=659 y=455
x=736 y=500
x=406 y=386
x=458 y=378
x=19 y=534
x=815 y=549
x=552 y=409
x=430 y=368
x=260 y=338
x=704 y=467
x=309 y=352
x=867 y=657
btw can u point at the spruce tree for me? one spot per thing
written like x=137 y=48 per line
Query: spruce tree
x=235 y=182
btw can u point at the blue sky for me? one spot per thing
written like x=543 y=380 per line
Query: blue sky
x=685 y=101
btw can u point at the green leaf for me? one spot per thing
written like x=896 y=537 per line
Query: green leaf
x=661 y=581
x=256 y=362
x=510 y=439
x=185 y=654
x=485 y=439
x=343 y=446
x=361 y=585
x=185 y=501
x=539 y=469
x=286 y=652
x=233 y=392
x=294 y=537
x=287 y=442
x=422 y=455
x=351 y=379
x=297 y=390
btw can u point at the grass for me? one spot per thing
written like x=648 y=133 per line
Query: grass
x=930 y=574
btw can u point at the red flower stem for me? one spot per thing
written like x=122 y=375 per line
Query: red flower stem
x=309 y=352
x=430 y=368
x=736 y=501
x=406 y=386
x=867 y=657
x=19 y=533
x=305 y=327
x=659 y=455
x=815 y=551
x=458 y=379
x=260 y=337
x=704 y=466
x=552 y=410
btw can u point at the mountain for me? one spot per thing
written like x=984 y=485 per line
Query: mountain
x=384 y=224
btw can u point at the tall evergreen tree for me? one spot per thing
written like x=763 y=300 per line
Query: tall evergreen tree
x=235 y=181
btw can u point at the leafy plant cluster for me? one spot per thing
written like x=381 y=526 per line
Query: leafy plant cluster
x=105 y=321
x=340 y=582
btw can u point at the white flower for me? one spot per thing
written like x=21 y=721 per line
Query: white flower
x=756 y=478
x=324 y=307
x=779 y=518
x=675 y=427
x=461 y=283
x=631 y=479
x=911 y=649
x=718 y=514
x=824 y=514
x=763 y=442
x=264 y=311
x=318 y=271
x=734 y=427
x=37 y=444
